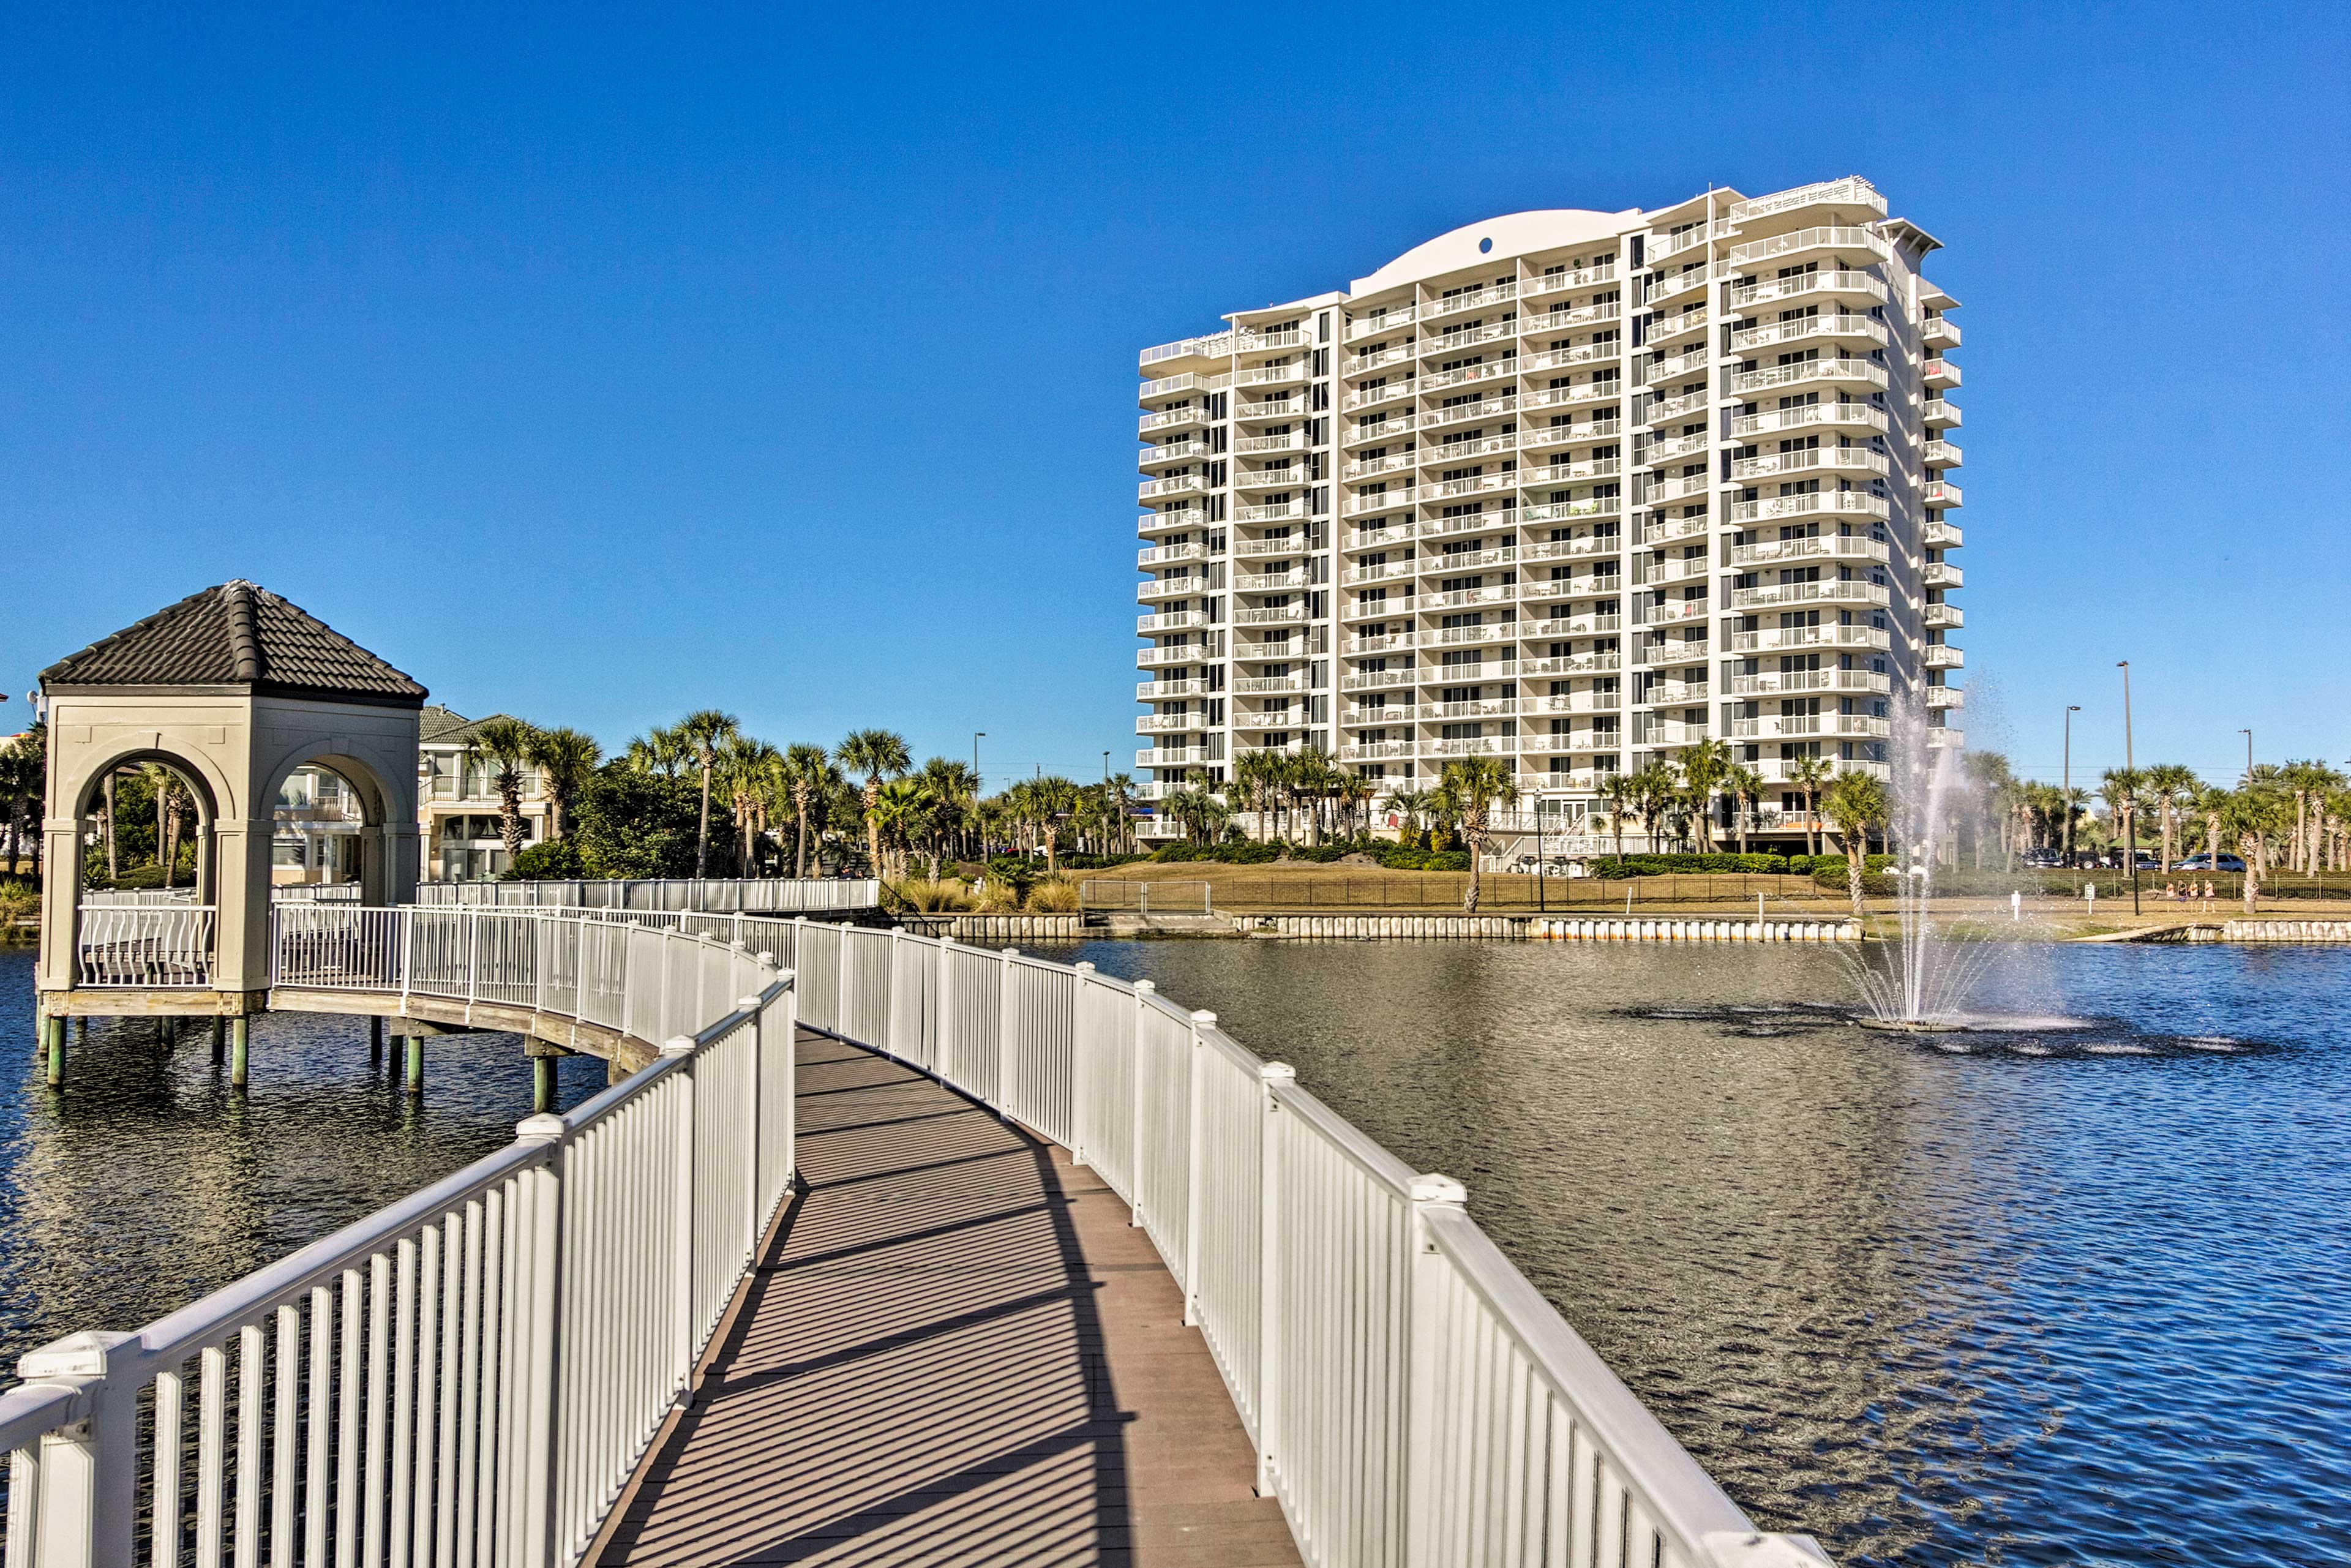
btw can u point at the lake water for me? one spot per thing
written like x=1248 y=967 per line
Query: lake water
x=2071 y=1297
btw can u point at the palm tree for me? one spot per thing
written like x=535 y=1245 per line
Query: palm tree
x=2169 y=786
x=501 y=746
x=2256 y=815
x=171 y=796
x=1471 y=788
x=1618 y=790
x=1811 y=774
x=2121 y=787
x=1052 y=798
x=2071 y=802
x=113 y=858
x=878 y=754
x=745 y=768
x=1705 y=766
x=21 y=769
x=804 y=774
x=1121 y=793
x=1856 y=802
x=1745 y=788
x=566 y=760
x=900 y=814
x=656 y=751
x=698 y=736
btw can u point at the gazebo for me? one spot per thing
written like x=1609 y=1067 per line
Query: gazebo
x=232 y=688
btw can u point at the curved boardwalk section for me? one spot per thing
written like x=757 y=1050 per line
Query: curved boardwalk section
x=957 y=1350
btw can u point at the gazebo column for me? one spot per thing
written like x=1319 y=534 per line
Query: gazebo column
x=241 y=939
x=60 y=901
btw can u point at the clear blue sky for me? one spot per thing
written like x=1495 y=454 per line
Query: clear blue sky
x=598 y=369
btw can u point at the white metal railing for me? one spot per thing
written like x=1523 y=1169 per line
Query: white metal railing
x=149 y=946
x=1412 y=1399
x=707 y=894
x=472 y=1373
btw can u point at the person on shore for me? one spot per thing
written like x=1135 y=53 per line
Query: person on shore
x=2208 y=895
x=2171 y=894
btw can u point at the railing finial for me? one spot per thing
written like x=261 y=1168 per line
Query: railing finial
x=1436 y=1188
x=543 y=1128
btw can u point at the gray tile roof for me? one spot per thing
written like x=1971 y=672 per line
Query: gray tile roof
x=240 y=637
x=457 y=734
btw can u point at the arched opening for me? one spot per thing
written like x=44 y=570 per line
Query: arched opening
x=327 y=841
x=146 y=890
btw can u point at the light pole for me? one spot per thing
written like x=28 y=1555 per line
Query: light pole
x=2065 y=790
x=2130 y=792
x=2248 y=752
x=979 y=787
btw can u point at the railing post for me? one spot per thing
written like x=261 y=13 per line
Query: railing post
x=1080 y=1078
x=1006 y=1019
x=754 y=1220
x=890 y=996
x=1271 y=1077
x=1144 y=990
x=85 y=1498
x=1197 y=1066
x=943 y=1047
x=840 y=988
x=407 y=918
x=539 y=1424
x=472 y=958
x=682 y=1217
x=1424 y=1320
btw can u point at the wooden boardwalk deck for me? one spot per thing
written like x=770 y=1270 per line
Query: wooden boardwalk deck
x=956 y=1351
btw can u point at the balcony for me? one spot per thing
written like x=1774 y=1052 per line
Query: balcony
x=1946 y=617
x=1673 y=367
x=1271 y=375
x=1375 y=751
x=1271 y=615
x=1454 y=562
x=1472 y=300
x=1811 y=372
x=1672 y=732
x=1171 y=588
x=1825 y=459
x=1387 y=427
x=1660 y=249
x=1813 y=329
x=1850 y=590
x=1372 y=397
x=1596 y=394
x=1377 y=679
x=1177 y=757
x=1604 y=353
x=1824 y=547
x=1939 y=415
x=1666 y=410
x=1372 y=467
x=1488 y=406
x=1838 y=416
x=1461 y=451
x=1400 y=536
x=1776 y=683
x=1574 y=550
x=1382 y=501
x=1162 y=658
x=1175 y=485
x=1676 y=449
x=1592 y=625
x=1457 y=636
x=1272 y=478
x=1572 y=511
x=1818 y=503
x=1271 y=512
x=1209 y=346
x=1385 y=320
x=1263 y=686
x=1569 y=282
x=1387 y=642
x=1938 y=332
x=1475 y=523
x=1940 y=374
x=1376 y=718
x=1380 y=358
x=1169 y=620
x=1168 y=555
x=1944 y=656
x=1676 y=569
x=1170 y=452
x=1172 y=419
x=1558 y=320
x=1942 y=536
x=1183 y=518
x=1942 y=574
x=1945 y=697
x=1168 y=691
x=1797 y=726
x=1268 y=718
x=1574 y=664
x=1666 y=531
x=1469 y=375
x=1944 y=735
x=1662 y=491
x=1675 y=285
x=1255 y=445
x=1478 y=746
x=1675 y=611
x=1576 y=702
x=1260 y=549
x=1475 y=485
x=1432 y=602
x=1941 y=493
x=1185 y=385
x=1853 y=190
x=1256 y=340
x=1271 y=581
x=1467 y=337
x=1271 y=408
x=1676 y=693
x=1663 y=330
x=1837 y=282
x=1487 y=707
x=1168 y=722
x=1781 y=638
x=1830 y=238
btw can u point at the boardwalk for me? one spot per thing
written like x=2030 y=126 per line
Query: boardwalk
x=958 y=1352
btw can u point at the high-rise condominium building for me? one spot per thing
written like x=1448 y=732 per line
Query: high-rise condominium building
x=1573 y=489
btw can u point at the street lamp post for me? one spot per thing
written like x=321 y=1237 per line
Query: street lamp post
x=2130 y=792
x=2249 y=751
x=979 y=787
x=2066 y=789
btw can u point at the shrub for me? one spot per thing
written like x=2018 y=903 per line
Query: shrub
x=1018 y=871
x=924 y=896
x=999 y=897
x=1246 y=853
x=556 y=860
x=1053 y=895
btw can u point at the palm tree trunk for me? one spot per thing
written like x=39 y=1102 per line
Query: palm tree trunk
x=113 y=862
x=161 y=812
x=702 y=833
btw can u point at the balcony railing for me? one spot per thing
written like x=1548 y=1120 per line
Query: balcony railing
x=144 y=947
x=1166 y=691
x=1473 y=299
x=1172 y=588
x=1824 y=547
x=1942 y=536
x=1387 y=318
x=1941 y=493
x=1818 y=503
x=1839 y=459
x=1944 y=656
x=1384 y=500
x=1809 y=373
x=1940 y=455
x=1939 y=415
x=1168 y=555
x=1375 y=751
x=1570 y=282
x=1812 y=327
x=1372 y=397
x=1271 y=615
x=1270 y=512
x=1169 y=620
x=1177 y=485
x=1572 y=511
x=1945 y=696
x=1477 y=746
x=1774 y=683
x=1573 y=664
x=1271 y=581
x=1847 y=415
x=1211 y=345
x=1942 y=574
x=1853 y=190
x=1157 y=658
x=1491 y=405
x=1785 y=637
x=1850 y=591
x=1292 y=441
x=1557 y=321
x=1830 y=237
x=1262 y=686
x=1834 y=281
x=1940 y=374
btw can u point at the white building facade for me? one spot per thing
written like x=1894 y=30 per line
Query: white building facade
x=1574 y=489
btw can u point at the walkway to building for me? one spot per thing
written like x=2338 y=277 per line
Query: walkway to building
x=957 y=1351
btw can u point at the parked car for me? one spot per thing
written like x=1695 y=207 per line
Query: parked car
x=2204 y=863
x=2044 y=859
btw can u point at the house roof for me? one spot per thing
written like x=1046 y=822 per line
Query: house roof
x=236 y=637
x=435 y=721
x=451 y=728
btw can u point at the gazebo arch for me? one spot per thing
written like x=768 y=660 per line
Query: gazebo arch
x=234 y=687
